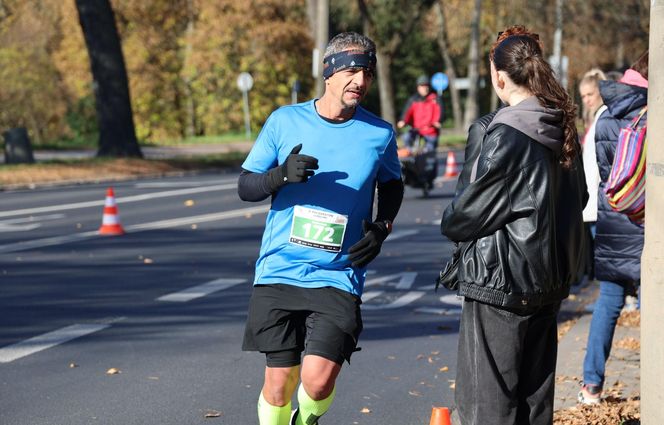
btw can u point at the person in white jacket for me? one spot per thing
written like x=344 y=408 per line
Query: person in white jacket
x=593 y=106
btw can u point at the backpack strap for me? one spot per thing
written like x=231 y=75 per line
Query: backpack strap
x=637 y=118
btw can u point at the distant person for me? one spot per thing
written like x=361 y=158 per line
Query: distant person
x=321 y=162
x=522 y=214
x=618 y=241
x=424 y=114
x=593 y=107
x=590 y=97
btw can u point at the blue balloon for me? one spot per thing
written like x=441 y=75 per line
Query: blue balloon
x=439 y=81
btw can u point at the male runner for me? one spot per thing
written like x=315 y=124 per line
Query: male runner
x=321 y=162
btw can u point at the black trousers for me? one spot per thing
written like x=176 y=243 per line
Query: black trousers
x=506 y=365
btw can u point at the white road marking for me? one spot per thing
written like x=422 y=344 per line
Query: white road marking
x=32 y=222
x=47 y=340
x=439 y=311
x=148 y=185
x=201 y=290
x=120 y=200
x=163 y=224
x=452 y=299
x=403 y=300
x=404 y=280
x=401 y=234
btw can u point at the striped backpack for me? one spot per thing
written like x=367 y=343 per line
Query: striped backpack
x=626 y=186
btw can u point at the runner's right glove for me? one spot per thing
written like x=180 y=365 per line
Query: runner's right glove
x=296 y=169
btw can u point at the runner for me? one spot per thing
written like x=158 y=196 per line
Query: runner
x=321 y=162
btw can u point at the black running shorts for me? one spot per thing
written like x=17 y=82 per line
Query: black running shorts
x=286 y=320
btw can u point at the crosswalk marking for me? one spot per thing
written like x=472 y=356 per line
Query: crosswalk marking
x=201 y=290
x=48 y=340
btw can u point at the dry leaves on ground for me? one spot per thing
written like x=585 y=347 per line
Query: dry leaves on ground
x=628 y=343
x=564 y=327
x=631 y=319
x=610 y=411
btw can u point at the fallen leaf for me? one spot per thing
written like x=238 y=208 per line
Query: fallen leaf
x=194 y=226
x=154 y=378
x=435 y=353
x=415 y=393
x=248 y=215
x=72 y=365
x=212 y=414
x=419 y=357
x=430 y=359
x=148 y=261
x=189 y=203
x=365 y=410
x=113 y=371
x=444 y=369
x=453 y=385
x=391 y=358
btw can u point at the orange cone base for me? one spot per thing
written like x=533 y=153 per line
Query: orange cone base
x=451 y=168
x=440 y=416
x=111 y=230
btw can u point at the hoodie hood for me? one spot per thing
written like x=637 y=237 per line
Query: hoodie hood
x=542 y=124
x=622 y=98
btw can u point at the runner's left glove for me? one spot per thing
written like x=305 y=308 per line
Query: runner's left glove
x=367 y=248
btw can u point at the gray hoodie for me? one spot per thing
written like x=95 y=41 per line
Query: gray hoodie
x=544 y=125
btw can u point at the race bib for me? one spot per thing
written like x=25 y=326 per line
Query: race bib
x=318 y=229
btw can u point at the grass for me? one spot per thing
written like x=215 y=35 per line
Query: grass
x=109 y=169
x=91 y=143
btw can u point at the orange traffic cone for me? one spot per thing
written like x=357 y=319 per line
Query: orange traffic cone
x=440 y=416
x=451 y=168
x=110 y=224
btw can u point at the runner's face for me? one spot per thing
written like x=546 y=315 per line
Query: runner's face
x=350 y=85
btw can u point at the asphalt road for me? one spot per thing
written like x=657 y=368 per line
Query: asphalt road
x=165 y=305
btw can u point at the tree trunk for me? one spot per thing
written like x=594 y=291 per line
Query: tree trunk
x=386 y=50
x=449 y=66
x=189 y=103
x=472 y=109
x=117 y=136
x=385 y=88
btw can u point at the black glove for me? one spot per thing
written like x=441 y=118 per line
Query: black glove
x=367 y=248
x=296 y=169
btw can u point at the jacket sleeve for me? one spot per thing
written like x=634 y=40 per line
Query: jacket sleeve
x=484 y=205
x=476 y=134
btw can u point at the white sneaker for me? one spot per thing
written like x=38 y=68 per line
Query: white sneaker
x=294 y=416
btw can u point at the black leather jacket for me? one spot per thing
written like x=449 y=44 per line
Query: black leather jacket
x=524 y=215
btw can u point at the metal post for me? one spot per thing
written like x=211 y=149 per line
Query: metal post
x=245 y=103
x=652 y=260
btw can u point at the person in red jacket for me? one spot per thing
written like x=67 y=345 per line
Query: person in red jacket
x=424 y=113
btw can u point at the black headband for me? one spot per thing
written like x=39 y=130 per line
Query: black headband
x=348 y=59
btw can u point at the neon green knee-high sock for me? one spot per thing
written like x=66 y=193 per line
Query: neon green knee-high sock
x=309 y=409
x=272 y=415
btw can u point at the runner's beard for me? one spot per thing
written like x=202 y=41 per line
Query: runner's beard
x=351 y=103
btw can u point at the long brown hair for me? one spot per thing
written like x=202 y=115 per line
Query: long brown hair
x=520 y=56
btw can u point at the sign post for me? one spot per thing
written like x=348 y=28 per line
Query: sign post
x=245 y=82
x=439 y=82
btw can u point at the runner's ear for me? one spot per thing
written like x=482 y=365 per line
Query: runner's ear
x=296 y=149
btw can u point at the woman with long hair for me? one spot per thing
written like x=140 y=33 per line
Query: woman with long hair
x=521 y=213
